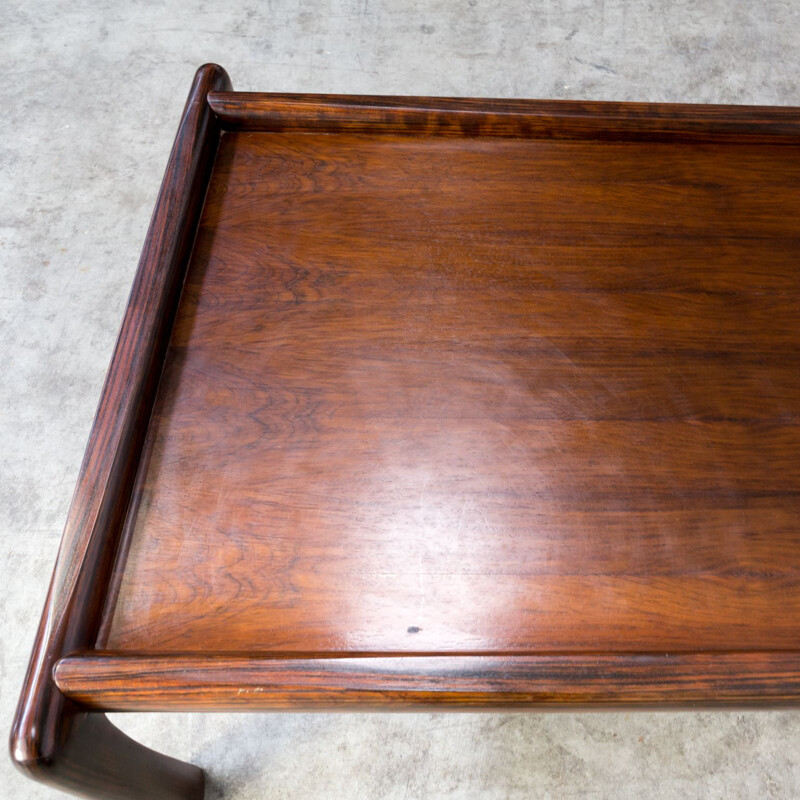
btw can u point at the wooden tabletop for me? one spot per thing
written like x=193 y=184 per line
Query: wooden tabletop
x=471 y=395
x=424 y=402
x=431 y=401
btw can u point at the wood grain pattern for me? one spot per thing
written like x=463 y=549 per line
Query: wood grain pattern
x=438 y=395
x=469 y=403
x=557 y=119
x=52 y=739
x=120 y=683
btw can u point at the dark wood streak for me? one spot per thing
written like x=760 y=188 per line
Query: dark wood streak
x=52 y=739
x=130 y=682
x=557 y=119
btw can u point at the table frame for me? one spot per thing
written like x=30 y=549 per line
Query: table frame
x=60 y=734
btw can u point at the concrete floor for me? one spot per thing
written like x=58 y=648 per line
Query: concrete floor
x=90 y=99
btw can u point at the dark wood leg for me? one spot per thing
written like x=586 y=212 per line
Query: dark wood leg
x=94 y=759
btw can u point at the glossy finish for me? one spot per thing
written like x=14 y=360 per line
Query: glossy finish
x=467 y=403
x=52 y=739
x=464 y=395
x=113 y=682
x=542 y=119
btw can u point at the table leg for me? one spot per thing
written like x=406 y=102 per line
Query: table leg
x=92 y=758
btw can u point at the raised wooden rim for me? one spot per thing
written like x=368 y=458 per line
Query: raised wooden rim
x=555 y=119
x=114 y=682
x=49 y=729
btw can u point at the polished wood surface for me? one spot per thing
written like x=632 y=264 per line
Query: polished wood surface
x=466 y=116
x=114 y=682
x=52 y=738
x=421 y=401
x=477 y=395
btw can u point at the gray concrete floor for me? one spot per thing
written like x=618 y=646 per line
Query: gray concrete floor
x=90 y=99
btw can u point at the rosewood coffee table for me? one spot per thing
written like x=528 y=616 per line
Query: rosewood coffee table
x=437 y=403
